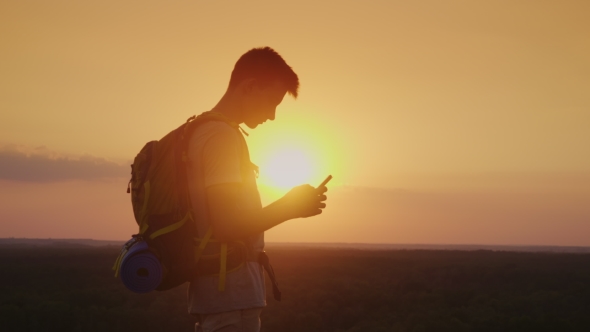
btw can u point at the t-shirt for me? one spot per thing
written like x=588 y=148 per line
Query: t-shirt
x=215 y=154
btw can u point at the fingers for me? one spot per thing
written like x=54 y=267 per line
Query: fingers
x=317 y=193
x=314 y=212
x=309 y=201
x=321 y=190
x=321 y=201
x=307 y=187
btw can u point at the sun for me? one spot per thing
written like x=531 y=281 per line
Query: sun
x=286 y=168
x=294 y=151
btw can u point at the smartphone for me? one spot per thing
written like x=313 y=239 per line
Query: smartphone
x=325 y=181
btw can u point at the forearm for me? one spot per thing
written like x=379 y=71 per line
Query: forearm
x=230 y=222
x=240 y=223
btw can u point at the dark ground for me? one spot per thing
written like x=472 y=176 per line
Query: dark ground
x=72 y=288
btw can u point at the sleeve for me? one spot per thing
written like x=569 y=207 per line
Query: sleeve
x=221 y=158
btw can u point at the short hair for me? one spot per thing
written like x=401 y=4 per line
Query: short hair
x=265 y=65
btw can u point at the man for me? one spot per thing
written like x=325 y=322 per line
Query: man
x=225 y=197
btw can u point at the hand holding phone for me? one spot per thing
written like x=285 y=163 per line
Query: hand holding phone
x=323 y=184
x=306 y=201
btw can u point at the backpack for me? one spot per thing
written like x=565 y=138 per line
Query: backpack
x=168 y=236
x=162 y=210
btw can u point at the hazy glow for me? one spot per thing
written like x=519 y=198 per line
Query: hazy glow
x=287 y=168
x=471 y=117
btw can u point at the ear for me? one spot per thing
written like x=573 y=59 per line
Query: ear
x=248 y=85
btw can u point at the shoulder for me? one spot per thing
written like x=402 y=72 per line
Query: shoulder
x=217 y=130
x=216 y=127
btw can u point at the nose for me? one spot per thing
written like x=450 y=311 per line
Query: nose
x=272 y=114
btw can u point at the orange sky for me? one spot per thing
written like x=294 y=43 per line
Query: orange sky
x=441 y=121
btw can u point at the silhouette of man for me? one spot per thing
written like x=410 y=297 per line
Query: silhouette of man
x=224 y=194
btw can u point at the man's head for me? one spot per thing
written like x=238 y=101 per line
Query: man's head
x=259 y=81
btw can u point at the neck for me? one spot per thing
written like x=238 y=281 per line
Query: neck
x=229 y=107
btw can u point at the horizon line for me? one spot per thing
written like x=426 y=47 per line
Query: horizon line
x=333 y=243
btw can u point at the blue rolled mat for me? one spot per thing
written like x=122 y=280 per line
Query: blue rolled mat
x=141 y=271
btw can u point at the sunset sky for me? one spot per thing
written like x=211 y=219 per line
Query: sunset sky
x=447 y=122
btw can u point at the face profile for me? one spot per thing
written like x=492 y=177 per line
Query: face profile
x=260 y=101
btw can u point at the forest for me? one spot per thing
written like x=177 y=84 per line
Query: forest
x=69 y=287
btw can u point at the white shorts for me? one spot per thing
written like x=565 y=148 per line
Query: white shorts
x=247 y=320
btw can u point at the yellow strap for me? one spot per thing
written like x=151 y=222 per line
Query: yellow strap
x=143 y=228
x=170 y=228
x=117 y=265
x=203 y=244
x=146 y=195
x=223 y=267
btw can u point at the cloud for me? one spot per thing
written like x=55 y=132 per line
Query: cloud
x=19 y=163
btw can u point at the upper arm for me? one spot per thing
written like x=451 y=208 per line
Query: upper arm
x=221 y=158
x=222 y=200
x=221 y=171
